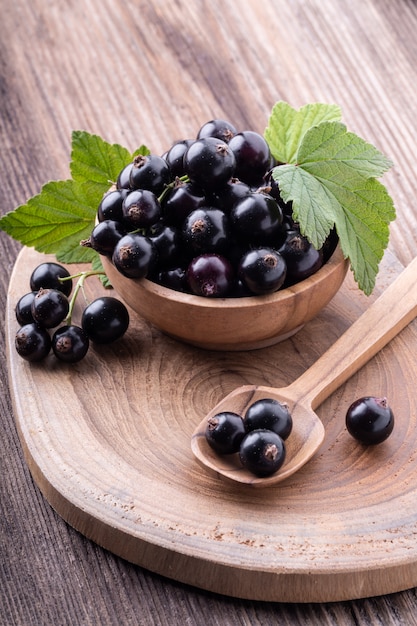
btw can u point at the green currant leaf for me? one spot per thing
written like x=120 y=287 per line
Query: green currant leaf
x=287 y=127
x=96 y=162
x=55 y=220
x=334 y=184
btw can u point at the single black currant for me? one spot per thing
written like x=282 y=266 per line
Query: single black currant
x=206 y=230
x=257 y=220
x=123 y=180
x=180 y=201
x=210 y=275
x=134 y=255
x=105 y=319
x=174 y=278
x=110 y=207
x=224 y=432
x=141 y=209
x=167 y=241
x=23 y=309
x=226 y=196
x=270 y=414
x=263 y=270
x=301 y=257
x=209 y=162
x=47 y=276
x=150 y=172
x=70 y=343
x=252 y=155
x=49 y=307
x=262 y=452
x=175 y=156
x=32 y=342
x=104 y=237
x=370 y=420
x=220 y=129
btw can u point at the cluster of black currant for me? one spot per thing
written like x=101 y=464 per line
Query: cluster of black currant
x=49 y=305
x=205 y=218
x=258 y=437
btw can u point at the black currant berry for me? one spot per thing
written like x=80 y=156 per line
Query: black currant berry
x=70 y=343
x=302 y=259
x=370 y=420
x=175 y=156
x=134 y=256
x=174 y=278
x=209 y=162
x=206 y=230
x=257 y=220
x=47 y=275
x=49 y=307
x=105 y=319
x=224 y=432
x=123 y=180
x=110 y=207
x=141 y=209
x=269 y=414
x=180 y=201
x=23 y=308
x=150 y=172
x=210 y=275
x=229 y=194
x=262 y=452
x=104 y=237
x=253 y=157
x=167 y=241
x=220 y=129
x=32 y=342
x=262 y=270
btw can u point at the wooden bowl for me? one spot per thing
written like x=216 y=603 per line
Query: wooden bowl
x=231 y=323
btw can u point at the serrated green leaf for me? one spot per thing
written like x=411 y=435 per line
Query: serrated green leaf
x=142 y=150
x=359 y=207
x=62 y=214
x=287 y=127
x=96 y=162
x=330 y=144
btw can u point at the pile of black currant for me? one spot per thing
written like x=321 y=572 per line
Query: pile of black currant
x=44 y=315
x=258 y=437
x=205 y=218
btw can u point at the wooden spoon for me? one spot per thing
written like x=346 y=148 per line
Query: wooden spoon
x=384 y=319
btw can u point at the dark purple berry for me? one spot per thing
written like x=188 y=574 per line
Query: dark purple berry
x=262 y=452
x=134 y=256
x=23 y=309
x=174 y=278
x=47 y=275
x=220 y=129
x=110 y=207
x=209 y=162
x=150 y=172
x=175 y=156
x=370 y=420
x=206 y=230
x=70 y=344
x=253 y=157
x=263 y=270
x=49 y=307
x=105 y=319
x=301 y=257
x=32 y=342
x=269 y=414
x=229 y=194
x=224 y=432
x=180 y=201
x=141 y=209
x=104 y=237
x=210 y=275
x=123 y=180
x=167 y=241
x=257 y=220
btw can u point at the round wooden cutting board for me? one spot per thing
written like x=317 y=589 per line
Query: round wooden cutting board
x=108 y=443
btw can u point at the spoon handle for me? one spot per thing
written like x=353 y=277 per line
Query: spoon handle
x=382 y=321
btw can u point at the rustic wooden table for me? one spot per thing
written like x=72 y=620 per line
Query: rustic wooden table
x=151 y=72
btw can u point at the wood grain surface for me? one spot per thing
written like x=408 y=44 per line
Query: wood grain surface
x=151 y=72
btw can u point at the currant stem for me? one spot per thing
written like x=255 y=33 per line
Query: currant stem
x=82 y=276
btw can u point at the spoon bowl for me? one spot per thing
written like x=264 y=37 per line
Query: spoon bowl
x=381 y=322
